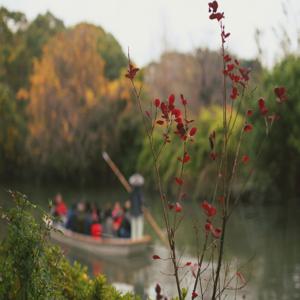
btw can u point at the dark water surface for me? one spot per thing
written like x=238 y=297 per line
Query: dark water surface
x=266 y=239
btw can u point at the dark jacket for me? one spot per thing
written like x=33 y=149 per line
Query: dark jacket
x=137 y=202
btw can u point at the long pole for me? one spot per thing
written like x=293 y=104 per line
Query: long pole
x=127 y=186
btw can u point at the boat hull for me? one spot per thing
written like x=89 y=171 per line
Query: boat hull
x=108 y=247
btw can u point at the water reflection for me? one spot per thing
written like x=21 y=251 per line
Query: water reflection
x=270 y=234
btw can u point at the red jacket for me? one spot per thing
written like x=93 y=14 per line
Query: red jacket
x=61 y=209
x=96 y=230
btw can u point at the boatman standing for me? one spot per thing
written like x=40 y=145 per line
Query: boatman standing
x=136 y=210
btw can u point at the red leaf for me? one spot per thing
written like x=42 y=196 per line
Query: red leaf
x=178 y=120
x=157 y=289
x=170 y=206
x=234 y=93
x=183 y=100
x=213 y=155
x=188 y=263
x=248 y=127
x=194 y=295
x=227 y=58
x=186 y=158
x=217 y=232
x=178 y=207
x=193 y=131
x=249 y=112
x=218 y=16
x=245 y=73
x=164 y=110
x=245 y=159
x=131 y=72
x=213 y=6
x=171 y=99
x=230 y=67
x=157 y=102
x=179 y=181
x=224 y=35
x=262 y=106
x=156 y=256
x=235 y=78
x=160 y=122
x=280 y=92
x=176 y=112
x=237 y=62
x=208 y=226
x=209 y=209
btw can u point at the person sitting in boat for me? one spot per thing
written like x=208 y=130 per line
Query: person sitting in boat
x=125 y=227
x=96 y=229
x=136 y=201
x=95 y=213
x=80 y=219
x=108 y=229
x=117 y=210
x=88 y=218
x=71 y=217
x=117 y=215
x=60 y=209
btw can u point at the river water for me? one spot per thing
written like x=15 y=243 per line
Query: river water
x=265 y=239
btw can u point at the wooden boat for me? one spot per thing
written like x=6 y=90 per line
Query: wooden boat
x=103 y=247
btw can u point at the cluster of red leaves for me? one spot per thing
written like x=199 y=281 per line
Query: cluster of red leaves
x=232 y=69
x=178 y=207
x=186 y=157
x=262 y=107
x=209 y=209
x=238 y=75
x=248 y=127
x=210 y=212
x=213 y=10
x=170 y=112
x=194 y=295
x=280 y=92
x=131 y=71
x=173 y=115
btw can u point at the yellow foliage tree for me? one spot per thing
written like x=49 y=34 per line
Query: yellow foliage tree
x=68 y=96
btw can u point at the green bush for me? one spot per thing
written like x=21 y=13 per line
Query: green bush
x=280 y=176
x=31 y=268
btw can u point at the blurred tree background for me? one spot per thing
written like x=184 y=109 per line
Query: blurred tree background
x=64 y=99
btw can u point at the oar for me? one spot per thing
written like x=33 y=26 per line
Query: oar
x=127 y=186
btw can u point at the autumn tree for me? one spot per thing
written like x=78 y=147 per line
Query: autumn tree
x=20 y=42
x=12 y=133
x=195 y=74
x=74 y=107
x=12 y=25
